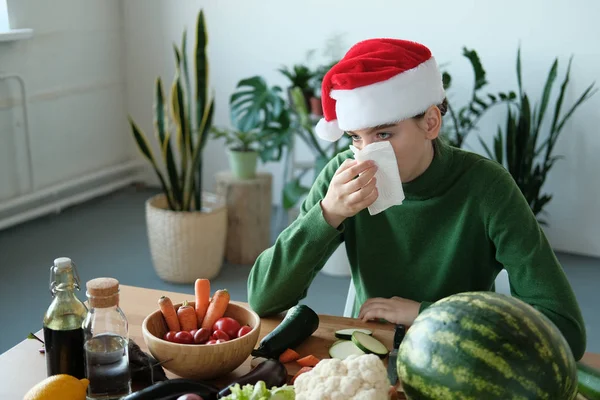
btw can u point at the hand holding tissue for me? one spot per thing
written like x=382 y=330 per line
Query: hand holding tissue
x=389 y=185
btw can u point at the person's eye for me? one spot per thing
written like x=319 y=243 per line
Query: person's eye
x=355 y=138
x=384 y=135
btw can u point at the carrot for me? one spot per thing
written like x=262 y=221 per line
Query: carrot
x=187 y=317
x=288 y=356
x=169 y=313
x=300 y=372
x=202 y=291
x=216 y=308
x=308 y=361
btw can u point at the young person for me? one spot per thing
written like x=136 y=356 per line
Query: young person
x=463 y=219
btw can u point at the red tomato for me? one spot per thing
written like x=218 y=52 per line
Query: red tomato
x=170 y=336
x=244 y=330
x=184 y=337
x=228 y=325
x=220 y=335
x=193 y=332
x=201 y=336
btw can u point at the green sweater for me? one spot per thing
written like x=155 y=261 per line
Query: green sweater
x=463 y=220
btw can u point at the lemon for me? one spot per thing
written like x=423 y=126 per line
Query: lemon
x=59 y=387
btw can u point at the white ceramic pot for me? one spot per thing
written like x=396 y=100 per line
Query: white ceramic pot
x=186 y=246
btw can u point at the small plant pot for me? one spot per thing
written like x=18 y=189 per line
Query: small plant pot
x=316 y=107
x=243 y=163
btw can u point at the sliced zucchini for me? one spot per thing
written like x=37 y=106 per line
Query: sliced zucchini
x=588 y=381
x=346 y=334
x=344 y=348
x=369 y=344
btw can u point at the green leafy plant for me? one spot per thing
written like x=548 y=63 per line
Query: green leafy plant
x=522 y=148
x=303 y=126
x=260 y=118
x=464 y=119
x=237 y=140
x=299 y=76
x=183 y=184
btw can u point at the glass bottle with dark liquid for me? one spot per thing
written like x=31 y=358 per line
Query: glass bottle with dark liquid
x=106 y=339
x=63 y=333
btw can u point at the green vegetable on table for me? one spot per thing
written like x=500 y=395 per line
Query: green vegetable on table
x=299 y=324
x=260 y=392
x=588 y=382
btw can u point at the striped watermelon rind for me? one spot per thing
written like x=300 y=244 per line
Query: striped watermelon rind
x=485 y=345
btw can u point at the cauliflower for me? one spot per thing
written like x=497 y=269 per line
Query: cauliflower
x=361 y=377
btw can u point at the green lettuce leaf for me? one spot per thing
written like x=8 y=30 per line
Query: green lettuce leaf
x=260 y=392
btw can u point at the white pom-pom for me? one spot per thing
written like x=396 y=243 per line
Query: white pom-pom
x=329 y=130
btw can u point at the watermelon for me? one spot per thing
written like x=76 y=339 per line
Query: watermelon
x=485 y=345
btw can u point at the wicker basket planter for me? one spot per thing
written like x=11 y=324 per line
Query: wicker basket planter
x=186 y=245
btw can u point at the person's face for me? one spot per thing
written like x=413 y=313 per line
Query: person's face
x=411 y=140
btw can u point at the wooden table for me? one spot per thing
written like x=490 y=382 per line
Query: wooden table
x=23 y=366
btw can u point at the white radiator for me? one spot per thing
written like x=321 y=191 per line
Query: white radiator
x=54 y=198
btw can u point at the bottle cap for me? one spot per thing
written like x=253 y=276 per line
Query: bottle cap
x=103 y=292
x=63 y=263
x=66 y=271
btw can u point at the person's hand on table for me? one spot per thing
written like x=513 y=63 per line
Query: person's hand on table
x=395 y=310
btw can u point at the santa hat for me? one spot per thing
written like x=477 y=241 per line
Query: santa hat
x=379 y=81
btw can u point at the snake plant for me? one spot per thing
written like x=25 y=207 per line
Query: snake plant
x=525 y=148
x=182 y=183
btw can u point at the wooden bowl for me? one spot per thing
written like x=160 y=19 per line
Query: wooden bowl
x=197 y=361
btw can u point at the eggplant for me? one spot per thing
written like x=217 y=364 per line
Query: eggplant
x=144 y=369
x=173 y=388
x=271 y=372
x=299 y=324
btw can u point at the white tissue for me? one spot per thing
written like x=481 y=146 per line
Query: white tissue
x=389 y=184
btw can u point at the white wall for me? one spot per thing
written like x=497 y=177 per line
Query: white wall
x=74 y=71
x=248 y=38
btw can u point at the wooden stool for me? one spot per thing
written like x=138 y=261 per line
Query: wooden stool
x=248 y=213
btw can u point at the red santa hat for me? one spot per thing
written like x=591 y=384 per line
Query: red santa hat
x=379 y=81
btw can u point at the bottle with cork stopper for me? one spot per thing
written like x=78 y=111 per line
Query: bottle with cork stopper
x=106 y=340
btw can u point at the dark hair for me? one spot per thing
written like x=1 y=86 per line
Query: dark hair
x=443 y=107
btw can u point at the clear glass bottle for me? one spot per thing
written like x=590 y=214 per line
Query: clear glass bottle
x=106 y=342
x=63 y=334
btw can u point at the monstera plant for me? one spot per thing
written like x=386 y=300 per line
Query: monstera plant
x=186 y=228
x=526 y=146
x=261 y=126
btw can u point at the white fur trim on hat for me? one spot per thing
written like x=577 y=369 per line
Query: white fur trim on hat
x=329 y=130
x=400 y=97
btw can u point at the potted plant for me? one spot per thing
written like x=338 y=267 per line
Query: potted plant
x=261 y=126
x=461 y=121
x=186 y=228
x=518 y=148
x=300 y=76
x=242 y=151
